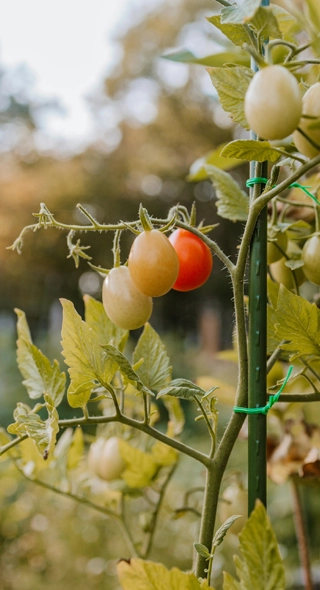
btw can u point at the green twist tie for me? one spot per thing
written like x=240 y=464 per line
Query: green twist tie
x=272 y=400
x=261 y=180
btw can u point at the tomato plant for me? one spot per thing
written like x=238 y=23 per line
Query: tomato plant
x=125 y=305
x=311 y=258
x=104 y=458
x=273 y=103
x=310 y=108
x=113 y=387
x=195 y=260
x=153 y=263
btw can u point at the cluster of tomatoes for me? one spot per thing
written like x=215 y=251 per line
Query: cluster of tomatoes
x=280 y=249
x=275 y=109
x=156 y=264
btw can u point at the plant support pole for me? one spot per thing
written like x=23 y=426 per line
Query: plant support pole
x=257 y=461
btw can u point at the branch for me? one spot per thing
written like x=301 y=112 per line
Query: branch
x=12 y=444
x=146 y=428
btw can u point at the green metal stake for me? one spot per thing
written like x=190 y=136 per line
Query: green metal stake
x=257 y=460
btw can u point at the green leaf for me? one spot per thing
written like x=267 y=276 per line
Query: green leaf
x=183 y=389
x=231 y=85
x=233 y=203
x=249 y=149
x=40 y=376
x=155 y=371
x=83 y=354
x=222 y=531
x=260 y=565
x=237 y=33
x=198 y=168
x=43 y=433
x=297 y=322
x=217 y=59
x=139 y=574
x=202 y=550
x=126 y=368
x=97 y=319
x=140 y=467
x=229 y=583
x=265 y=23
x=240 y=14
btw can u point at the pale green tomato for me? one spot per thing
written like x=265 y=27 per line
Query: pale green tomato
x=277 y=246
x=234 y=500
x=153 y=263
x=124 y=304
x=273 y=103
x=284 y=275
x=104 y=459
x=311 y=258
x=311 y=107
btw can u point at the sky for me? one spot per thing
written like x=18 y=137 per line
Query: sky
x=67 y=46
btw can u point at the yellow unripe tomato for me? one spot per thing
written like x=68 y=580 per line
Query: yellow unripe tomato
x=277 y=246
x=311 y=258
x=284 y=275
x=273 y=103
x=311 y=107
x=104 y=459
x=124 y=304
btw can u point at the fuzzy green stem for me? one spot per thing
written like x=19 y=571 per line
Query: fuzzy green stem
x=12 y=444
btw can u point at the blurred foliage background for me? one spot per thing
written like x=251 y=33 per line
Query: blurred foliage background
x=155 y=118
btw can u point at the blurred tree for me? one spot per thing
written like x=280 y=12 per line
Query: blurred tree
x=153 y=117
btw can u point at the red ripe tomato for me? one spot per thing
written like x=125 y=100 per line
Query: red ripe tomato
x=195 y=260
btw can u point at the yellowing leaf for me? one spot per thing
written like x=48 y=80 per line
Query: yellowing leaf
x=240 y=14
x=40 y=376
x=260 y=565
x=217 y=59
x=198 y=168
x=83 y=354
x=233 y=203
x=43 y=433
x=175 y=411
x=76 y=449
x=298 y=323
x=164 y=455
x=231 y=85
x=237 y=33
x=97 y=319
x=155 y=371
x=249 y=149
x=229 y=583
x=140 y=467
x=126 y=368
x=265 y=23
x=146 y=575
